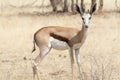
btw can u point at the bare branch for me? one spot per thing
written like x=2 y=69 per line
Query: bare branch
x=100 y=5
x=116 y=4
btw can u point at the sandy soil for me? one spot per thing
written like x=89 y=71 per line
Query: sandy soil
x=100 y=53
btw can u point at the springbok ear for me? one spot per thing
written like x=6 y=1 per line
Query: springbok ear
x=93 y=8
x=78 y=10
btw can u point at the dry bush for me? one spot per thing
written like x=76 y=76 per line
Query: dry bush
x=117 y=5
x=99 y=69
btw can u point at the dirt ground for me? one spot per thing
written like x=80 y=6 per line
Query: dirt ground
x=100 y=54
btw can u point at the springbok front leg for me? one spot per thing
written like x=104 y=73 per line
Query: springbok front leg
x=72 y=60
x=43 y=52
x=77 y=55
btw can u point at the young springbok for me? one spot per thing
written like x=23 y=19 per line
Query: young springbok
x=62 y=38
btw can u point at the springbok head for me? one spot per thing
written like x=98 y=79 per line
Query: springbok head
x=86 y=16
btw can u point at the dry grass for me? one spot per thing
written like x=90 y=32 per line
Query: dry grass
x=100 y=55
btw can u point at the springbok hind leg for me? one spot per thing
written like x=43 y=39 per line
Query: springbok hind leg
x=35 y=67
x=35 y=72
x=37 y=60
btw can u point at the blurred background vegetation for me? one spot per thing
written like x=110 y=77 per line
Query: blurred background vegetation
x=48 y=6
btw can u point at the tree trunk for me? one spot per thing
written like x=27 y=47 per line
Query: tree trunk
x=93 y=2
x=82 y=6
x=82 y=3
x=77 y=2
x=53 y=3
x=100 y=5
x=72 y=5
x=65 y=6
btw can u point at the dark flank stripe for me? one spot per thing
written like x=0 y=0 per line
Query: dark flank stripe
x=61 y=38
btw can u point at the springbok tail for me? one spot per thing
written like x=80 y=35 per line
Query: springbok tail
x=33 y=46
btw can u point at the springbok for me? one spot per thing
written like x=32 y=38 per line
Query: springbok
x=62 y=38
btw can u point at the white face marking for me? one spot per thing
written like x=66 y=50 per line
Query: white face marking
x=86 y=19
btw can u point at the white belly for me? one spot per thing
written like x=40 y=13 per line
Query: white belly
x=61 y=45
x=57 y=44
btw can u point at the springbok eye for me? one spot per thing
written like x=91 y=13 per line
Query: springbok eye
x=90 y=18
x=82 y=18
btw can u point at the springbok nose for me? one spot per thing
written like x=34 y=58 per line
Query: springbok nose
x=86 y=26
